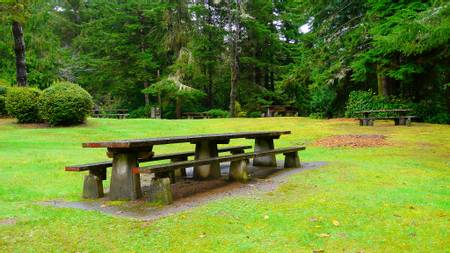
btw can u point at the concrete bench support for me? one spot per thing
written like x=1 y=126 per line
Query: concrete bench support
x=291 y=160
x=92 y=187
x=160 y=191
x=264 y=144
x=239 y=171
x=124 y=184
x=180 y=172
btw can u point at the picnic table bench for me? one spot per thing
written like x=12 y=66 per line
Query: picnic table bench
x=196 y=115
x=127 y=154
x=97 y=171
x=280 y=110
x=116 y=113
x=399 y=116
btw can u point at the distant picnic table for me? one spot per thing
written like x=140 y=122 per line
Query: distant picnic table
x=399 y=116
x=113 y=113
x=127 y=154
x=196 y=115
x=280 y=110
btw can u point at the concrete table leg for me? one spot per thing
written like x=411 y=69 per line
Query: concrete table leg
x=239 y=171
x=262 y=144
x=124 y=184
x=180 y=172
x=206 y=149
x=365 y=122
x=408 y=121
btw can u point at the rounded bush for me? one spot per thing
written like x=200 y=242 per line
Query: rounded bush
x=254 y=114
x=65 y=103
x=217 y=113
x=3 y=90
x=22 y=104
x=2 y=106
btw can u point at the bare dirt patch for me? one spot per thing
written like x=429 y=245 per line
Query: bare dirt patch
x=353 y=140
x=7 y=221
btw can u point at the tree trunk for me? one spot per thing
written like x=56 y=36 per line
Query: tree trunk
x=266 y=78
x=210 y=88
x=382 y=83
x=234 y=54
x=272 y=81
x=146 y=97
x=234 y=80
x=19 y=49
x=143 y=48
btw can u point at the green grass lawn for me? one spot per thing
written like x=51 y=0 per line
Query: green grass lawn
x=382 y=199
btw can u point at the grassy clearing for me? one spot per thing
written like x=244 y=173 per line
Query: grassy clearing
x=384 y=199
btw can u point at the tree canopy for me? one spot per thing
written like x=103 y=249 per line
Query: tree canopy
x=240 y=54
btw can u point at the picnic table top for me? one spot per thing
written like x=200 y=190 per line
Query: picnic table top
x=385 y=110
x=278 y=106
x=148 y=142
x=195 y=112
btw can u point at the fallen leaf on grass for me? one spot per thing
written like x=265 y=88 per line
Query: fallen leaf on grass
x=313 y=219
x=336 y=223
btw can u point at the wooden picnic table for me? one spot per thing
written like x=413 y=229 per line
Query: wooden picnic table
x=280 y=110
x=125 y=154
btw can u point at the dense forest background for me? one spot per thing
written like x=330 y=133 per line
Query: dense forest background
x=239 y=55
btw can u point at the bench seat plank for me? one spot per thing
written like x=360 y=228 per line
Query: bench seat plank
x=230 y=158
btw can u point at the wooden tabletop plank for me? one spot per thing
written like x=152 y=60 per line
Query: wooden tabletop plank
x=138 y=143
x=385 y=110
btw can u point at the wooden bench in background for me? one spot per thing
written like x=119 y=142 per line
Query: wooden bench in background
x=196 y=115
x=93 y=187
x=398 y=115
x=117 y=114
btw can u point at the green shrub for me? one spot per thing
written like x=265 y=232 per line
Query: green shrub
x=368 y=100
x=65 y=103
x=141 y=112
x=254 y=114
x=432 y=111
x=22 y=104
x=317 y=115
x=2 y=90
x=217 y=113
x=2 y=106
